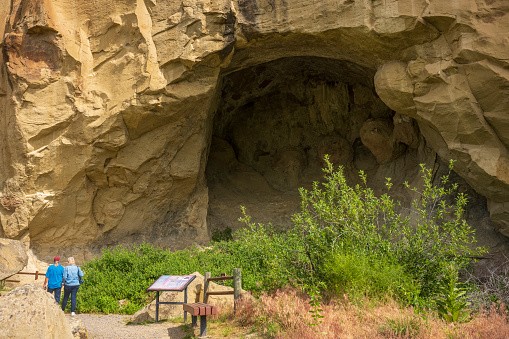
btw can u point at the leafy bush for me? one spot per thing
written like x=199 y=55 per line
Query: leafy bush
x=124 y=273
x=344 y=237
x=338 y=218
x=360 y=276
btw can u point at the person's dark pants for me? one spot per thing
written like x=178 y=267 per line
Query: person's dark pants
x=57 y=291
x=73 y=291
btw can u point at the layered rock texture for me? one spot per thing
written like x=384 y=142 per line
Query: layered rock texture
x=13 y=257
x=30 y=312
x=144 y=120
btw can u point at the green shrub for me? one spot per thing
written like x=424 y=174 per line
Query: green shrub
x=124 y=273
x=345 y=237
x=223 y=234
x=336 y=217
x=358 y=275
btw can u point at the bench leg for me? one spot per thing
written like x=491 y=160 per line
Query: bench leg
x=203 y=325
x=194 y=320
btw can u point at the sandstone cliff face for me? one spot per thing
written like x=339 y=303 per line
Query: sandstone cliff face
x=14 y=257
x=145 y=120
x=30 y=312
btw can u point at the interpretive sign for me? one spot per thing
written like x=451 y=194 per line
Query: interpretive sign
x=171 y=283
x=175 y=283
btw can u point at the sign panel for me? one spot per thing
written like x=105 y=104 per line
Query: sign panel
x=171 y=283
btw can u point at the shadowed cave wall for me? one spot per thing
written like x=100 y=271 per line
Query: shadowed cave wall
x=276 y=121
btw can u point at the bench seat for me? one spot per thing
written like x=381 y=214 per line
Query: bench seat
x=202 y=310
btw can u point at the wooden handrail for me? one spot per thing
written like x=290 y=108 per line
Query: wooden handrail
x=36 y=273
x=237 y=285
x=229 y=277
x=220 y=292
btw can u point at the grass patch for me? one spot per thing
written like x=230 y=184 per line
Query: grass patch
x=408 y=327
x=188 y=330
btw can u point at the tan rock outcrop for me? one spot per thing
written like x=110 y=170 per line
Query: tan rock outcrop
x=108 y=109
x=13 y=257
x=452 y=119
x=30 y=312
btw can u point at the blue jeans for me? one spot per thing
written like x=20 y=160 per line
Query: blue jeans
x=57 y=291
x=73 y=291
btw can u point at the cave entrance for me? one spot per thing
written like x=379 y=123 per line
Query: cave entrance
x=273 y=125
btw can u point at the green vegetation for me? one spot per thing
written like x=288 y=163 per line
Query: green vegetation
x=224 y=234
x=452 y=303
x=359 y=276
x=405 y=327
x=345 y=240
x=338 y=220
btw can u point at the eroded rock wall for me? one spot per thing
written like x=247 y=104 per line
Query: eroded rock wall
x=110 y=108
x=89 y=155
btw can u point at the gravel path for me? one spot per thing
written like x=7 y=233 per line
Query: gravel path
x=112 y=326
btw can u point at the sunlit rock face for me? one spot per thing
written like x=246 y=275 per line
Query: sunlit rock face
x=143 y=120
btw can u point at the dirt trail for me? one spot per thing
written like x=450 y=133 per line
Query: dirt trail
x=112 y=326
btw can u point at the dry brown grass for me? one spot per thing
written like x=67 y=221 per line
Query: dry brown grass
x=285 y=314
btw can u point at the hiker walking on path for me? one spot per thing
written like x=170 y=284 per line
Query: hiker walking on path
x=53 y=281
x=71 y=280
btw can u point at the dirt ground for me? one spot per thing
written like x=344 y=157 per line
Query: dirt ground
x=113 y=326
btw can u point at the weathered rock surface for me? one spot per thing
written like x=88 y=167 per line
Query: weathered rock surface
x=194 y=295
x=130 y=121
x=30 y=312
x=78 y=329
x=13 y=257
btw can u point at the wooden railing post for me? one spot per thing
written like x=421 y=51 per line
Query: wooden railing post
x=206 y=287
x=237 y=286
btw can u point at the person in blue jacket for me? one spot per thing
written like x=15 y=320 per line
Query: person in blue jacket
x=53 y=281
x=71 y=280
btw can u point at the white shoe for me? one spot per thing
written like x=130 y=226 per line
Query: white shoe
x=73 y=314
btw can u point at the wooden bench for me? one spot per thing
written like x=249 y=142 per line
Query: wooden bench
x=202 y=310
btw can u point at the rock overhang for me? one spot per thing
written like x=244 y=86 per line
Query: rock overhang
x=141 y=92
